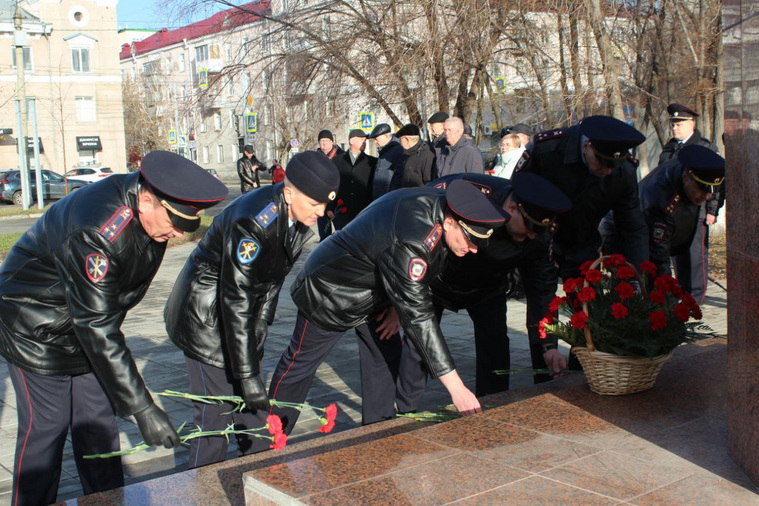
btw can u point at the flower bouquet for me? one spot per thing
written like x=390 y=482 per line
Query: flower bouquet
x=622 y=327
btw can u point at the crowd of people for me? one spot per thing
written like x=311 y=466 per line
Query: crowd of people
x=422 y=228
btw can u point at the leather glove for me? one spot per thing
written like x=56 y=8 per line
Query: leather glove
x=254 y=393
x=156 y=427
x=260 y=332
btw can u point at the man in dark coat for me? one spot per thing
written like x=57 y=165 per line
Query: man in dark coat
x=356 y=174
x=332 y=151
x=696 y=258
x=387 y=175
x=419 y=167
x=65 y=288
x=247 y=168
x=227 y=294
x=373 y=274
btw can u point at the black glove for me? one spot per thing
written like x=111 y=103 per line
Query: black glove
x=254 y=393
x=156 y=427
x=260 y=332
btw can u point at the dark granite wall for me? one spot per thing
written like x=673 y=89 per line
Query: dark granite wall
x=741 y=67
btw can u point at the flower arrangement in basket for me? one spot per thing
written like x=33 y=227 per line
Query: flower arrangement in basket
x=622 y=327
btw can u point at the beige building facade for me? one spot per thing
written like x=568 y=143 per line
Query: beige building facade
x=71 y=71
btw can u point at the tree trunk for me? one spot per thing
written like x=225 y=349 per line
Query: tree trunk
x=605 y=50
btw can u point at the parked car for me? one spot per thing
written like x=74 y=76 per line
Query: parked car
x=53 y=186
x=213 y=173
x=90 y=174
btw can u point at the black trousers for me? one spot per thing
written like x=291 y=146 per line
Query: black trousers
x=692 y=266
x=48 y=406
x=209 y=380
x=309 y=347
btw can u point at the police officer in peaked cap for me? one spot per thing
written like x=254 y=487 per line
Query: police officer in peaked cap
x=65 y=287
x=226 y=296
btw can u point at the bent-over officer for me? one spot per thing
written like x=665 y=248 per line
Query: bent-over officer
x=65 y=288
x=227 y=294
x=478 y=283
x=372 y=273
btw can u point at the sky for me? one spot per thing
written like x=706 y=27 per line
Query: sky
x=151 y=15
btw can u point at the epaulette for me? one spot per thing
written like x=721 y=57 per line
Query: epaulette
x=548 y=135
x=116 y=223
x=633 y=160
x=670 y=208
x=434 y=236
x=267 y=215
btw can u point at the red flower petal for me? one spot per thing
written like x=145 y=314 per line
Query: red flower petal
x=274 y=424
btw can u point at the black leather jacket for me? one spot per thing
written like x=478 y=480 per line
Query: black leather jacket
x=232 y=279
x=557 y=156
x=66 y=285
x=472 y=279
x=373 y=263
x=247 y=169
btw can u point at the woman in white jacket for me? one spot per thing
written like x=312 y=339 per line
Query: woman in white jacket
x=506 y=160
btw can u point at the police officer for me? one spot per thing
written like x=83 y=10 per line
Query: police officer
x=591 y=164
x=478 y=283
x=695 y=259
x=671 y=197
x=369 y=276
x=390 y=158
x=65 y=287
x=227 y=294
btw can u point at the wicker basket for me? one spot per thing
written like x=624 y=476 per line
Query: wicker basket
x=610 y=374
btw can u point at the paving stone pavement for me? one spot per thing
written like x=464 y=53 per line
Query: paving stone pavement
x=162 y=366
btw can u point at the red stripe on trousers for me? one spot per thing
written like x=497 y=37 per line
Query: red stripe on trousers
x=300 y=345
x=26 y=438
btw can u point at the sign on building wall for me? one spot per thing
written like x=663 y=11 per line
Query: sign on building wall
x=251 y=122
x=203 y=78
x=172 y=137
x=366 y=120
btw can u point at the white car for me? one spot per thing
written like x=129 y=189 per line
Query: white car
x=90 y=174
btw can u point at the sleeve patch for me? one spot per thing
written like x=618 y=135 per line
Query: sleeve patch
x=434 y=236
x=96 y=266
x=247 y=251
x=659 y=232
x=267 y=215
x=522 y=160
x=116 y=223
x=670 y=208
x=417 y=268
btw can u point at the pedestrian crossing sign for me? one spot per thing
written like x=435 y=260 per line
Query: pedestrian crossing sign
x=500 y=85
x=366 y=120
x=172 y=136
x=202 y=78
x=251 y=122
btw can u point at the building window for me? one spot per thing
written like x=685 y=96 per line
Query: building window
x=235 y=150
x=219 y=153
x=85 y=109
x=80 y=59
x=148 y=68
x=27 y=55
x=205 y=154
x=203 y=126
x=217 y=121
x=201 y=53
x=268 y=114
x=182 y=63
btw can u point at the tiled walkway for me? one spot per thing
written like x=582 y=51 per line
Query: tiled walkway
x=162 y=366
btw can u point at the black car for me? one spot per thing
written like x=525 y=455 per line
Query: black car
x=53 y=185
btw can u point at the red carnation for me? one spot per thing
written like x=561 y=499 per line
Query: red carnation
x=689 y=300
x=593 y=276
x=331 y=412
x=665 y=282
x=658 y=297
x=280 y=440
x=658 y=320
x=542 y=327
x=586 y=294
x=585 y=267
x=619 y=311
x=648 y=267
x=572 y=284
x=274 y=424
x=579 y=320
x=327 y=427
x=555 y=303
x=682 y=312
x=625 y=272
x=615 y=259
x=625 y=290
x=676 y=290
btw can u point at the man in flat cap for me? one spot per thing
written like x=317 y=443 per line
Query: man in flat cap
x=227 y=294
x=591 y=164
x=419 y=166
x=460 y=154
x=671 y=197
x=247 y=169
x=356 y=174
x=479 y=283
x=437 y=131
x=387 y=175
x=332 y=151
x=682 y=121
x=373 y=274
x=65 y=288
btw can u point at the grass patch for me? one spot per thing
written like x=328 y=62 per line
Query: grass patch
x=11 y=210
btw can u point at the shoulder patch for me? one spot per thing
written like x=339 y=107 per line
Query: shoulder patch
x=522 y=160
x=434 y=236
x=247 y=251
x=670 y=208
x=417 y=268
x=116 y=223
x=267 y=215
x=548 y=135
x=96 y=265
x=659 y=232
